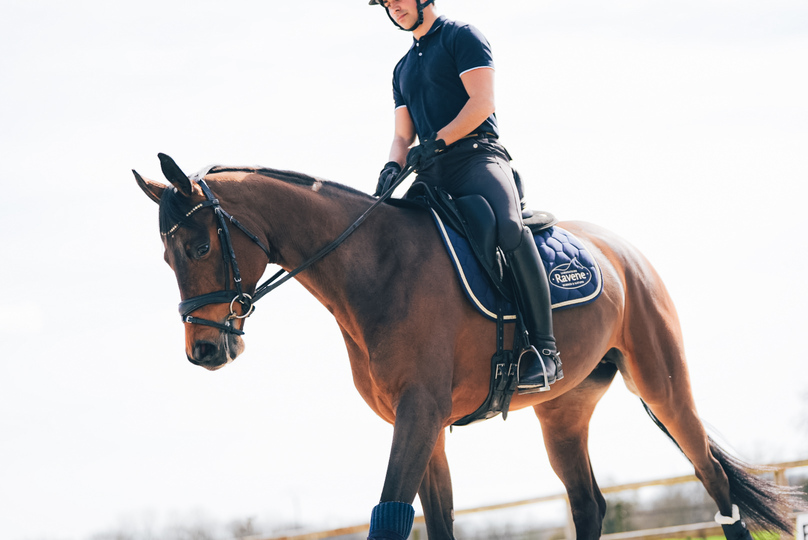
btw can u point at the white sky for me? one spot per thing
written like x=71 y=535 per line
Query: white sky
x=682 y=126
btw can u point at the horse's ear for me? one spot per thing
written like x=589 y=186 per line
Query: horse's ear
x=175 y=175
x=151 y=188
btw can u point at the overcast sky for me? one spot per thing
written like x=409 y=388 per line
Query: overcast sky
x=681 y=126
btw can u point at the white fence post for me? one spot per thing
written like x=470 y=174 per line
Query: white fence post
x=802 y=527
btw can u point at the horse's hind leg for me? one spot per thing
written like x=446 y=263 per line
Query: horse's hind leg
x=654 y=367
x=565 y=426
x=436 y=493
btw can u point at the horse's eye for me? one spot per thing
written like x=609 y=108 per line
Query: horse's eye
x=202 y=250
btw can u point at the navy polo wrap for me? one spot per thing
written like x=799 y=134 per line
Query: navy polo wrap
x=427 y=79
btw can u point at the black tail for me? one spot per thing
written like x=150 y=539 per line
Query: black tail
x=763 y=504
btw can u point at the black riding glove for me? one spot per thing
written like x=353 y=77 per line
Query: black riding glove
x=386 y=177
x=420 y=156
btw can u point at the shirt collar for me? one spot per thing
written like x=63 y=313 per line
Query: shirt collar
x=437 y=25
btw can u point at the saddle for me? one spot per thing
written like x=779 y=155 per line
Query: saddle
x=473 y=219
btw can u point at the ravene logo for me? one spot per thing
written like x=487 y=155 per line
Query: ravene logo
x=572 y=275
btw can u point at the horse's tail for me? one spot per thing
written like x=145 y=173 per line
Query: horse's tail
x=763 y=504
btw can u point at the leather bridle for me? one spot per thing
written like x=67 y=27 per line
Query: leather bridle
x=237 y=294
x=231 y=296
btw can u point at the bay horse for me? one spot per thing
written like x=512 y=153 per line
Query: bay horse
x=420 y=353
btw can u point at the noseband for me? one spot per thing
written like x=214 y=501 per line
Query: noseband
x=237 y=294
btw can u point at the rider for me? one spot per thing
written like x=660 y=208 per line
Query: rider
x=444 y=93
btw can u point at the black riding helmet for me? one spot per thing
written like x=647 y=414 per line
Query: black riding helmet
x=421 y=7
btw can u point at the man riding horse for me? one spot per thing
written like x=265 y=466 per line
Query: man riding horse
x=444 y=93
x=443 y=89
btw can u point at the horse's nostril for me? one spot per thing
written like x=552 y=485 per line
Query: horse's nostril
x=203 y=350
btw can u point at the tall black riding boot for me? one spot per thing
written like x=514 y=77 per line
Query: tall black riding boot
x=540 y=364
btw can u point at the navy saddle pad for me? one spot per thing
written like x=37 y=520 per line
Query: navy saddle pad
x=574 y=275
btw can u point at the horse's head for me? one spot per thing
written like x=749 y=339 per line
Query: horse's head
x=202 y=253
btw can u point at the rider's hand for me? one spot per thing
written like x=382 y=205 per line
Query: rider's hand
x=386 y=177
x=420 y=156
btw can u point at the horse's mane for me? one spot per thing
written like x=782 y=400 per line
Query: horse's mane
x=290 y=177
x=174 y=208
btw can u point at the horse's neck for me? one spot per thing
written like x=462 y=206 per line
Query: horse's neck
x=298 y=220
x=305 y=219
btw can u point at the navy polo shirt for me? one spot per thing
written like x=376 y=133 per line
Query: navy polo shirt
x=427 y=79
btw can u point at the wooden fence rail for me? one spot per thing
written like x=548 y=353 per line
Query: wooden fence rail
x=693 y=530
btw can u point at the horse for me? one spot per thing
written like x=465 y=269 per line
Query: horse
x=420 y=353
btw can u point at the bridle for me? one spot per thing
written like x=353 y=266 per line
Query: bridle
x=231 y=296
x=237 y=294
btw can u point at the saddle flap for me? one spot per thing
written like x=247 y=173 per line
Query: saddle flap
x=481 y=228
x=473 y=218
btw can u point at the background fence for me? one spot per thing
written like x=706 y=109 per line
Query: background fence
x=566 y=532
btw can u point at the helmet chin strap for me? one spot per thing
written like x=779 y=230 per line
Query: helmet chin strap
x=420 y=16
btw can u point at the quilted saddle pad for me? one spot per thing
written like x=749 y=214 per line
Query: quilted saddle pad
x=574 y=275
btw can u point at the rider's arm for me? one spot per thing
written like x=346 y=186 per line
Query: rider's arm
x=403 y=137
x=479 y=85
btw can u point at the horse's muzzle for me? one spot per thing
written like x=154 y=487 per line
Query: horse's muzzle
x=214 y=355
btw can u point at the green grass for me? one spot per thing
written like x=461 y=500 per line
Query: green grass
x=755 y=535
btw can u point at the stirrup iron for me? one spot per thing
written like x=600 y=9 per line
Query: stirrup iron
x=533 y=389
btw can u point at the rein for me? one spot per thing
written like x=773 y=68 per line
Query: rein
x=247 y=301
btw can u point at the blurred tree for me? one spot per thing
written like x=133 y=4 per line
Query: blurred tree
x=618 y=516
x=242 y=528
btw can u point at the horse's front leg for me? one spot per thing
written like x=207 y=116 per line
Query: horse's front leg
x=436 y=493
x=421 y=413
